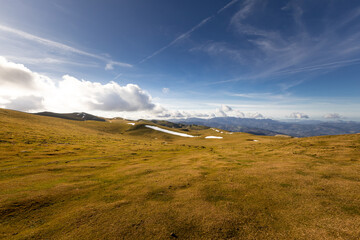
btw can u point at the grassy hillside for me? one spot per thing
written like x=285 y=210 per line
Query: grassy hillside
x=63 y=179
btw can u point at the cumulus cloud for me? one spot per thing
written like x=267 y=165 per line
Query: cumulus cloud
x=169 y=114
x=219 y=113
x=15 y=75
x=298 y=115
x=106 y=97
x=255 y=115
x=22 y=89
x=332 y=116
x=227 y=111
x=222 y=111
x=26 y=103
x=172 y=114
x=225 y=108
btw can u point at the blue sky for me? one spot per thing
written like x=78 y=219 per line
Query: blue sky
x=182 y=58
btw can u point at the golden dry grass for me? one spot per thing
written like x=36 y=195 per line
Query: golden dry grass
x=62 y=179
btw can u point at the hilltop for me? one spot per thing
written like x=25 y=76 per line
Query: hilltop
x=120 y=179
x=81 y=116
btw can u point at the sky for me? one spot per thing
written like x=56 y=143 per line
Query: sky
x=166 y=59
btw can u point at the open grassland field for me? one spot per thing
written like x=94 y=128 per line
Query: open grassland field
x=64 y=179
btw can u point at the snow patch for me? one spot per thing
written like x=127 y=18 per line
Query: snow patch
x=214 y=137
x=216 y=130
x=168 y=131
x=131 y=124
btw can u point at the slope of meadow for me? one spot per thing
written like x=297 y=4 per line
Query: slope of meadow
x=63 y=179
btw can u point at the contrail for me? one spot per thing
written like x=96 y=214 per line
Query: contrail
x=227 y=6
x=60 y=46
x=321 y=66
x=188 y=33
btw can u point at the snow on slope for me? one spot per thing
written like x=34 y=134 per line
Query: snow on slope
x=168 y=131
x=214 y=137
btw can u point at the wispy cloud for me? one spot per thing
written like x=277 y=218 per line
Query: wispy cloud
x=324 y=66
x=261 y=96
x=60 y=46
x=188 y=33
x=278 y=53
x=48 y=60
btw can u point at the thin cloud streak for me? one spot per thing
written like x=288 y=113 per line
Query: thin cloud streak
x=58 y=45
x=182 y=36
x=188 y=33
x=268 y=96
x=322 y=66
x=227 y=6
x=326 y=66
x=48 y=60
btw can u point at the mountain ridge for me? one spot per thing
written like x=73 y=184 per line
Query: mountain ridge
x=265 y=127
x=271 y=127
x=77 y=116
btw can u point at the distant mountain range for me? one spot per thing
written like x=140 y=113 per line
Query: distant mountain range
x=270 y=127
x=267 y=127
x=79 y=116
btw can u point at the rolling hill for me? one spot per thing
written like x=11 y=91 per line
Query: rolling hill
x=120 y=179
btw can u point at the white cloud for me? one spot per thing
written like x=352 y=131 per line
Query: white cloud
x=16 y=80
x=106 y=97
x=15 y=75
x=165 y=90
x=332 y=116
x=255 y=115
x=26 y=103
x=22 y=89
x=219 y=113
x=227 y=111
x=222 y=111
x=169 y=114
x=225 y=108
x=298 y=115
